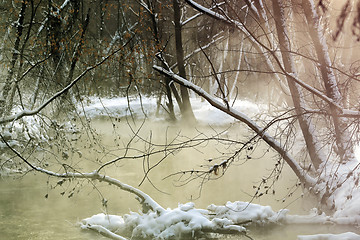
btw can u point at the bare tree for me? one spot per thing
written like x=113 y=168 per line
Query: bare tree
x=325 y=183
x=316 y=110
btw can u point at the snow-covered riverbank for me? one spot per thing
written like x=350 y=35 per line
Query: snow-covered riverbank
x=139 y=108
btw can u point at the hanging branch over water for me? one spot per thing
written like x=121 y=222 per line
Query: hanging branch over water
x=305 y=178
x=147 y=202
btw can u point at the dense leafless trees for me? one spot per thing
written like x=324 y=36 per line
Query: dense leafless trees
x=219 y=50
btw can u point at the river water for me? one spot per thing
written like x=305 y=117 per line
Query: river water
x=31 y=208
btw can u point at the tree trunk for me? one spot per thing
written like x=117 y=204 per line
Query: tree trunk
x=10 y=83
x=342 y=135
x=168 y=83
x=297 y=97
x=186 y=109
x=75 y=58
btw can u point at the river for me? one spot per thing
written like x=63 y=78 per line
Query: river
x=31 y=208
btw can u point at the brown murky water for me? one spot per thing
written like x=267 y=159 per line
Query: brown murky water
x=25 y=212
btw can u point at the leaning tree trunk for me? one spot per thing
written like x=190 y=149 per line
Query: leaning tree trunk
x=342 y=135
x=306 y=126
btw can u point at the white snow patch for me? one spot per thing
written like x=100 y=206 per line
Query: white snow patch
x=241 y=212
x=357 y=152
x=172 y=223
x=204 y=112
x=342 y=236
x=186 y=220
x=207 y=114
x=118 y=107
x=312 y=218
x=110 y=222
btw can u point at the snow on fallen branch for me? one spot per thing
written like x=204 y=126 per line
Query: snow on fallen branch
x=188 y=221
x=183 y=221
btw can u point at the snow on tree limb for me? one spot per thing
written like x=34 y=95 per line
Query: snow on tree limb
x=305 y=178
x=199 y=14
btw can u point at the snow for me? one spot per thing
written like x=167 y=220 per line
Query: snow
x=28 y=127
x=240 y=212
x=314 y=217
x=186 y=220
x=172 y=223
x=204 y=112
x=119 y=107
x=343 y=236
x=357 y=152
x=111 y=222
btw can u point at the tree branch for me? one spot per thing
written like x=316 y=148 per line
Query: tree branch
x=258 y=44
x=59 y=93
x=146 y=201
x=302 y=175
